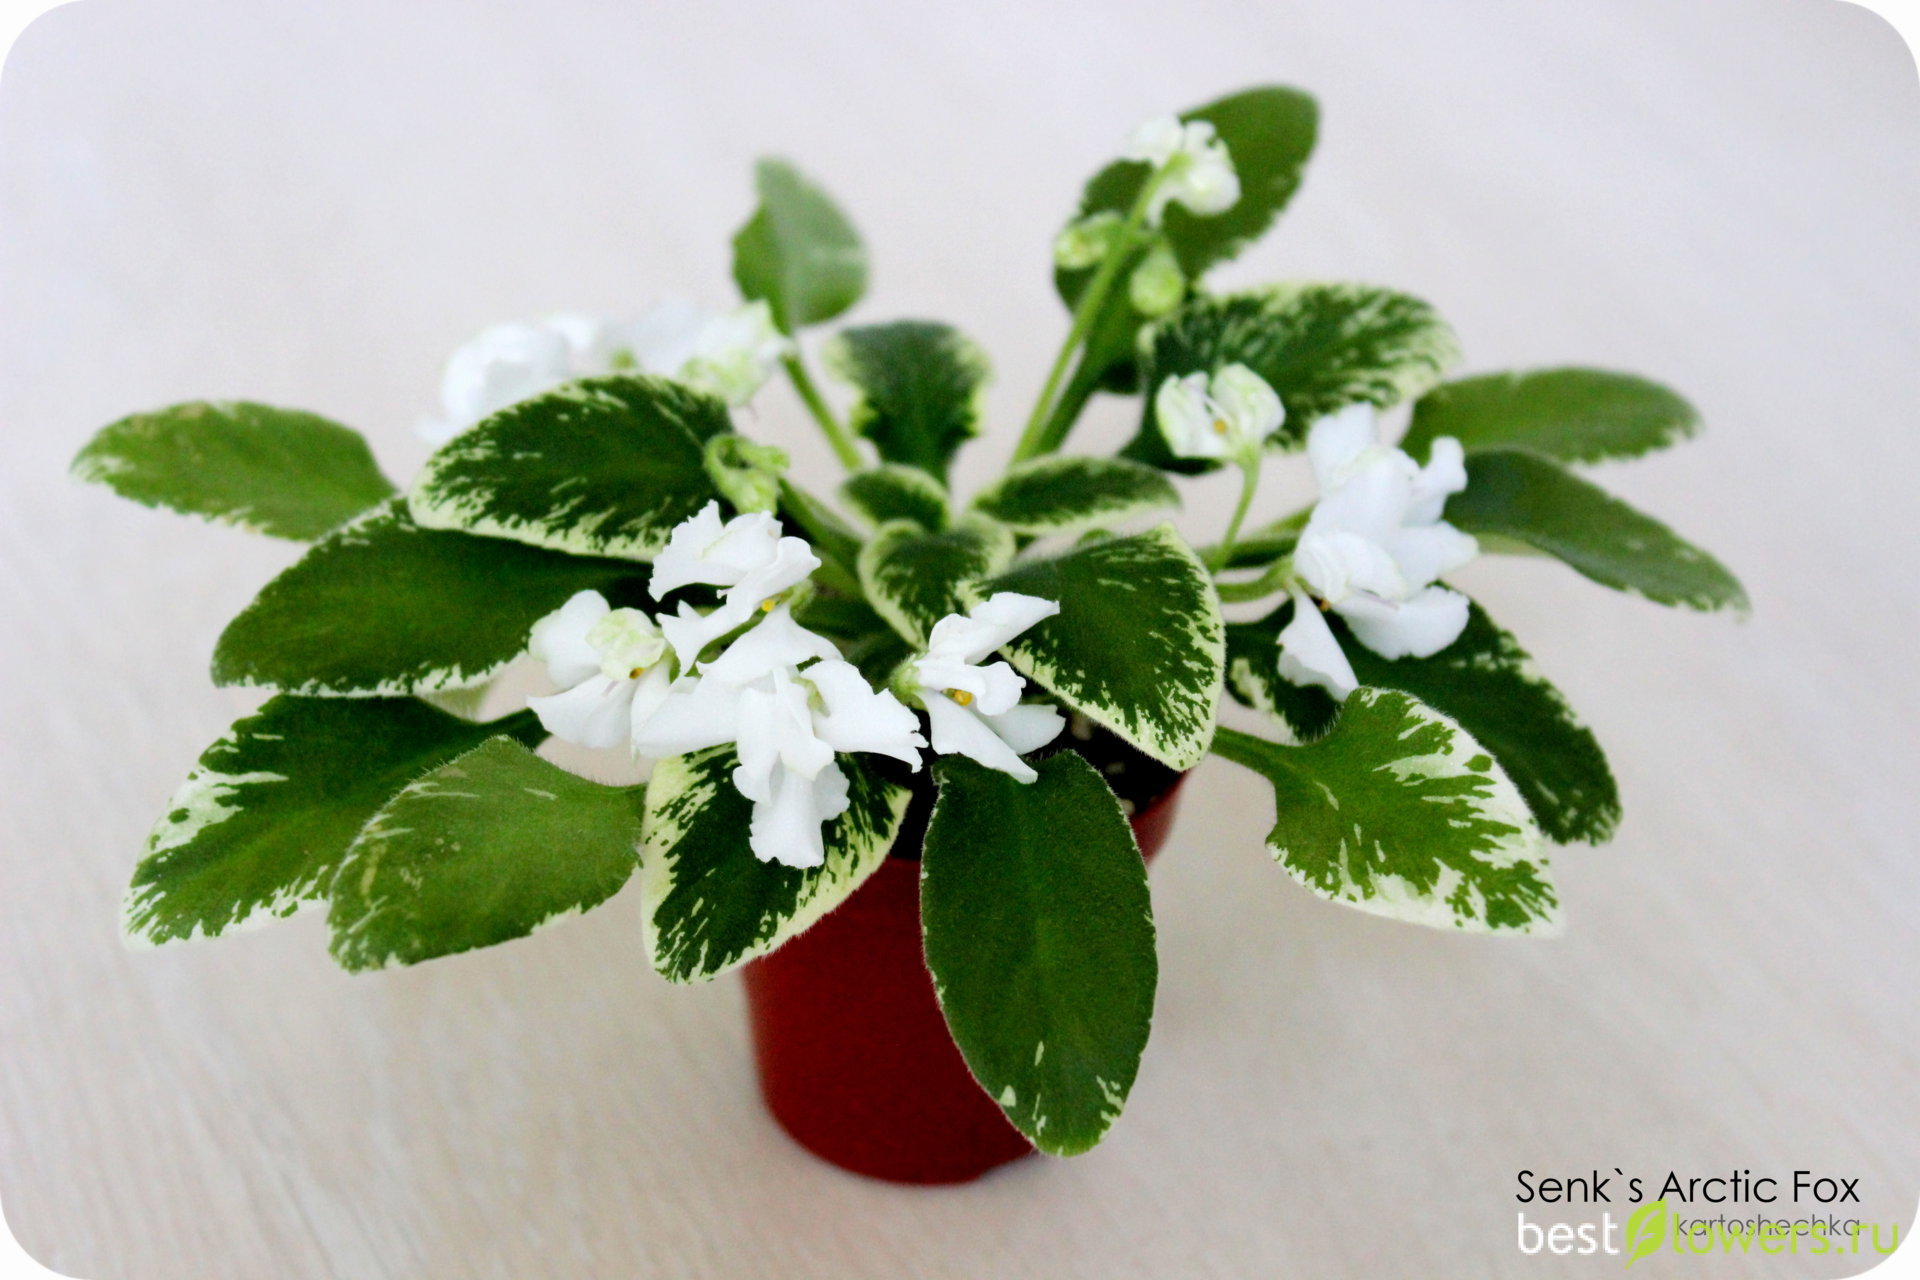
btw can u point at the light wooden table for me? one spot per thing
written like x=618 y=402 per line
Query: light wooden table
x=312 y=205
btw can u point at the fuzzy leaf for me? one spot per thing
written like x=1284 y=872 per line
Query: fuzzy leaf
x=274 y=471
x=1511 y=494
x=1397 y=811
x=798 y=251
x=1138 y=644
x=892 y=491
x=485 y=849
x=1485 y=681
x=1039 y=932
x=919 y=386
x=261 y=824
x=707 y=903
x=1574 y=415
x=1321 y=347
x=383 y=607
x=915 y=578
x=600 y=467
x=1067 y=495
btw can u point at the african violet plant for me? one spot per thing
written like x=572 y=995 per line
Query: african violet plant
x=801 y=680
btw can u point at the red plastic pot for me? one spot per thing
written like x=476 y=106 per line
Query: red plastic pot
x=855 y=1059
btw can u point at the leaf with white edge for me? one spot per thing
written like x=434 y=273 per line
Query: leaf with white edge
x=798 y=252
x=1039 y=932
x=1574 y=415
x=485 y=849
x=919 y=388
x=915 y=578
x=707 y=903
x=893 y=491
x=261 y=824
x=1533 y=500
x=600 y=467
x=1068 y=495
x=274 y=471
x=1320 y=346
x=1397 y=811
x=1485 y=681
x=383 y=607
x=1138 y=645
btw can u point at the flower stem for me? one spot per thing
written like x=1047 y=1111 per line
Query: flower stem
x=836 y=432
x=1278 y=577
x=1249 y=481
x=1033 y=437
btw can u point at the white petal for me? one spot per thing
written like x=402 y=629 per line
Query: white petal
x=695 y=714
x=777 y=643
x=958 y=731
x=1337 y=439
x=627 y=641
x=594 y=713
x=502 y=365
x=689 y=631
x=1186 y=417
x=1427 y=552
x=590 y=340
x=680 y=561
x=1155 y=141
x=1208 y=185
x=1250 y=408
x=990 y=689
x=666 y=337
x=1027 y=727
x=1311 y=655
x=560 y=638
x=776 y=731
x=785 y=828
x=855 y=718
x=1419 y=628
x=791 y=563
x=1369 y=495
x=734 y=354
x=1444 y=475
x=987 y=626
x=1336 y=564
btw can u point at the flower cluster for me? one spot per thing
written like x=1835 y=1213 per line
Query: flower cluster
x=781 y=695
x=729 y=354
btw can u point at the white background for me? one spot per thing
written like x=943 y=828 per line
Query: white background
x=311 y=206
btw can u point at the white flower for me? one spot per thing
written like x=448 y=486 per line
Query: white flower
x=973 y=710
x=610 y=666
x=1372 y=551
x=1195 y=169
x=1227 y=417
x=746 y=555
x=730 y=354
x=499 y=366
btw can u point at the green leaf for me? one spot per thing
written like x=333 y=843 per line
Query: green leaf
x=892 y=491
x=915 y=578
x=1320 y=346
x=1399 y=812
x=485 y=849
x=1039 y=933
x=1138 y=645
x=603 y=466
x=1574 y=415
x=262 y=823
x=708 y=904
x=275 y=471
x=919 y=386
x=1071 y=495
x=798 y=251
x=1485 y=681
x=1517 y=495
x=383 y=607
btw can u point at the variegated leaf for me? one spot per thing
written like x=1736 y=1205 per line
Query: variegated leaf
x=1068 y=495
x=261 y=824
x=919 y=386
x=1039 y=932
x=1138 y=645
x=707 y=902
x=894 y=491
x=274 y=471
x=486 y=848
x=1321 y=346
x=384 y=607
x=1574 y=415
x=915 y=578
x=1398 y=811
x=600 y=467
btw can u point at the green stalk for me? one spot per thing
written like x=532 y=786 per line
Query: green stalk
x=837 y=434
x=1249 y=481
x=1083 y=317
x=1277 y=578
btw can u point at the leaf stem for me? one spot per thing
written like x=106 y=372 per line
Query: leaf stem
x=1249 y=481
x=1032 y=438
x=1278 y=577
x=836 y=431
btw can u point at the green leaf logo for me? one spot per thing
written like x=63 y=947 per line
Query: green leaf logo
x=1646 y=1230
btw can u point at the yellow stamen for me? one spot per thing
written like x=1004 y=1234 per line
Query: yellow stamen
x=1219 y=426
x=766 y=606
x=960 y=696
x=636 y=673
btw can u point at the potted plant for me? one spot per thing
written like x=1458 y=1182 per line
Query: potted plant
x=908 y=747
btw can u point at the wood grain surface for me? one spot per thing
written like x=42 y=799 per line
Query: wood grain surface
x=313 y=204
